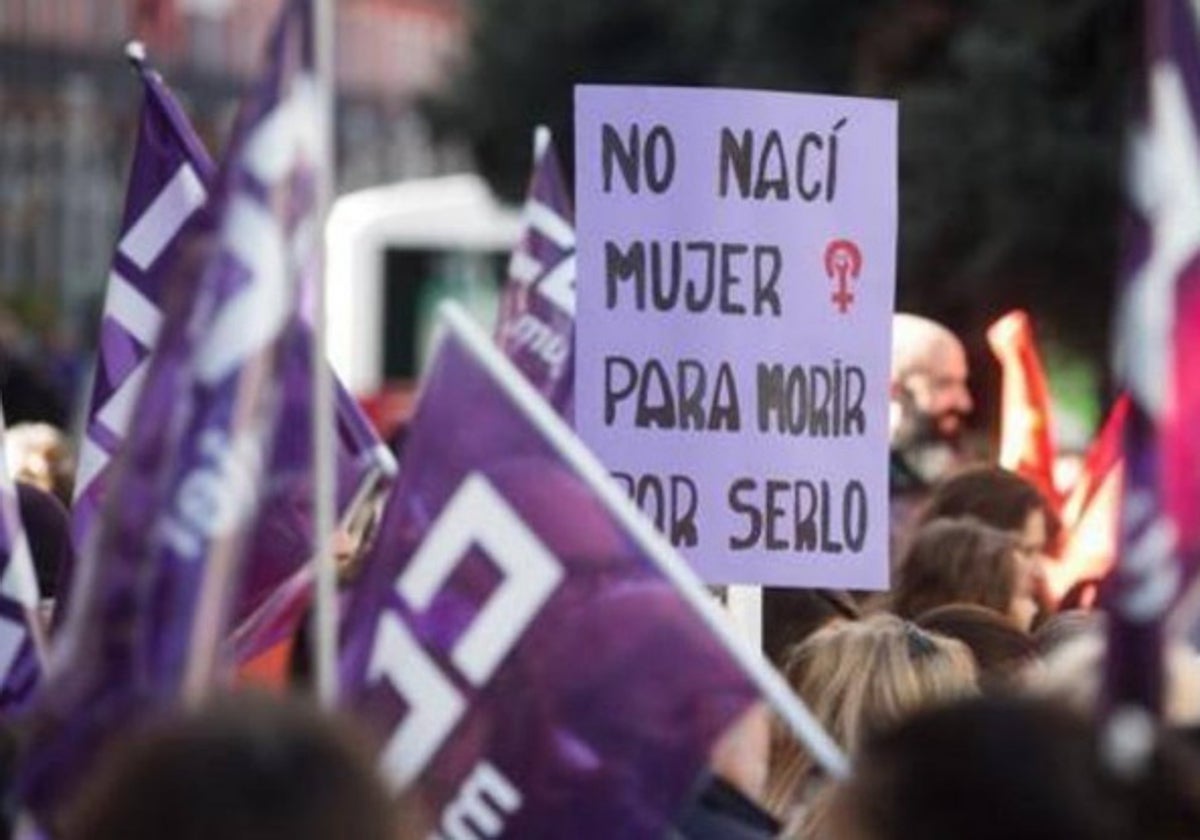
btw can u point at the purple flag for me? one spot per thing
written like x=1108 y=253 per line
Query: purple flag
x=280 y=545
x=145 y=627
x=535 y=659
x=536 y=325
x=1158 y=361
x=169 y=183
x=168 y=186
x=21 y=641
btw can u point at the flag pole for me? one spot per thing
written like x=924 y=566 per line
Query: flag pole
x=325 y=603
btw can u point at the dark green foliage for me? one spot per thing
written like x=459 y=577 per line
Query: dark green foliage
x=1011 y=168
x=1012 y=115
x=525 y=56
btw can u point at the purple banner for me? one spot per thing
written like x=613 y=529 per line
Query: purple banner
x=533 y=657
x=281 y=539
x=145 y=627
x=168 y=187
x=734 y=329
x=536 y=326
x=20 y=631
x=169 y=184
x=1158 y=362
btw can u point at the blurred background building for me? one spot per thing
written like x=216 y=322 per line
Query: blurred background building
x=1011 y=135
x=68 y=105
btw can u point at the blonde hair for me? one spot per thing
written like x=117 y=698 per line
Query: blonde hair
x=859 y=677
x=41 y=455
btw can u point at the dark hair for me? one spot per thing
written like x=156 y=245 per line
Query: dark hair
x=995 y=496
x=1001 y=649
x=952 y=561
x=48 y=529
x=1004 y=767
x=1066 y=626
x=790 y=616
x=245 y=768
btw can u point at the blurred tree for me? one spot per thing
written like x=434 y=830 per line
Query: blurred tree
x=1011 y=169
x=906 y=41
x=523 y=58
x=806 y=45
x=1012 y=115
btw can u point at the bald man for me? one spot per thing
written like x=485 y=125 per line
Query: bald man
x=929 y=396
x=929 y=403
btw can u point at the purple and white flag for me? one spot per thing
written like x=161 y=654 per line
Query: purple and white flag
x=536 y=325
x=1158 y=361
x=281 y=539
x=21 y=643
x=533 y=656
x=168 y=187
x=170 y=180
x=145 y=628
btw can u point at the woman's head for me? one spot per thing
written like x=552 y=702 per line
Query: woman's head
x=861 y=676
x=1007 y=767
x=245 y=767
x=963 y=561
x=1002 y=651
x=998 y=498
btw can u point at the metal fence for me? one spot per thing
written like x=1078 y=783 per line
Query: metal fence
x=68 y=106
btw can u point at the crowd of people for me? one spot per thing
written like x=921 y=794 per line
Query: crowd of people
x=969 y=702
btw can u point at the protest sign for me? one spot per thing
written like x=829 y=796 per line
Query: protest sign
x=737 y=255
x=535 y=659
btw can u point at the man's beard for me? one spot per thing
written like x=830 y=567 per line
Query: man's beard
x=928 y=448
